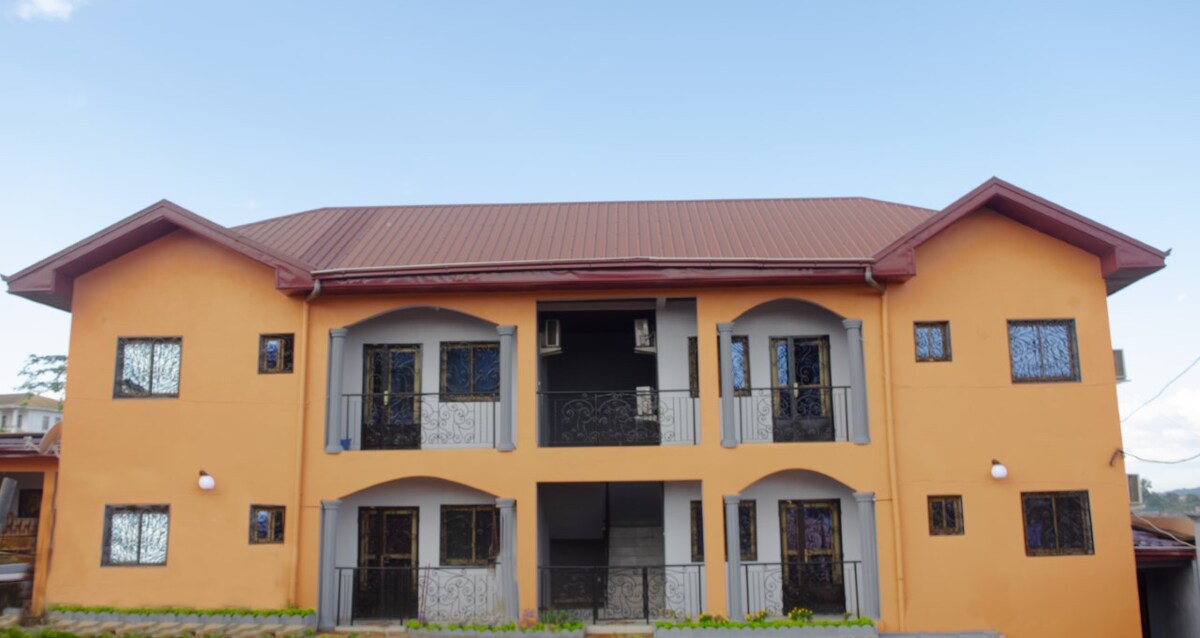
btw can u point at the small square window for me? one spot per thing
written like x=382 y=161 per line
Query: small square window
x=471 y=371
x=1043 y=351
x=946 y=515
x=1057 y=523
x=932 y=340
x=266 y=524
x=469 y=534
x=147 y=367
x=275 y=353
x=135 y=535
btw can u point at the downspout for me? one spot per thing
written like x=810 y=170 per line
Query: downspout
x=302 y=412
x=890 y=427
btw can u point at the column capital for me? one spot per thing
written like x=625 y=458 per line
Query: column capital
x=338 y=333
x=725 y=326
x=506 y=503
x=852 y=324
x=864 y=497
x=331 y=505
x=506 y=331
x=733 y=499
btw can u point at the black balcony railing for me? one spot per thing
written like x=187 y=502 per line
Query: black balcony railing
x=627 y=417
x=825 y=587
x=608 y=593
x=433 y=594
x=397 y=421
x=789 y=415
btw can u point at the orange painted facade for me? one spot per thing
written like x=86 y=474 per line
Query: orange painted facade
x=935 y=428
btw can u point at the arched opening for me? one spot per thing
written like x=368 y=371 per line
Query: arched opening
x=419 y=377
x=791 y=373
x=801 y=545
x=417 y=548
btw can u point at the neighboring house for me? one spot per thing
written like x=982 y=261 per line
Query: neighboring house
x=31 y=461
x=618 y=409
x=28 y=413
x=1167 y=575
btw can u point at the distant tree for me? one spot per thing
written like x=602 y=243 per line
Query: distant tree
x=44 y=374
x=1174 y=502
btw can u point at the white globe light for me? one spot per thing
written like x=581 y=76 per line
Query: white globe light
x=207 y=482
x=999 y=471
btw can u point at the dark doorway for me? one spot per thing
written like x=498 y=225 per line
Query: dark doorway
x=802 y=396
x=391 y=402
x=811 y=543
x=386 y=583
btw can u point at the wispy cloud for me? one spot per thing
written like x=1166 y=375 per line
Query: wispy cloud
x=48 y=9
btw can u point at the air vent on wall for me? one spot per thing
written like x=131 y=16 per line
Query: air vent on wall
x=1135 y=489
x=1119 y=363
x=643 y=337
x=551 y=337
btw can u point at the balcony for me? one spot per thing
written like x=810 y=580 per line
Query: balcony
x=792 y=415
x=639 y=417
x=406 y=421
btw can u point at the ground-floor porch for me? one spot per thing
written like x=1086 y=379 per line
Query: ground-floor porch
x=27 y=483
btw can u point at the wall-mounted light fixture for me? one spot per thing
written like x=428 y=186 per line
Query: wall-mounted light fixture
x=206 y=482
x=999 y=471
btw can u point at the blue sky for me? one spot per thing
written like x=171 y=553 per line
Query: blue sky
x=244 y=110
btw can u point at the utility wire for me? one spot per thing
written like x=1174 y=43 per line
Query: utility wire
x=1163 y=531
x=1160 y=392
x=1190 y=458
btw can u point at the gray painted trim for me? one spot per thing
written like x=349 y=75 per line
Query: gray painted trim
x=733 y=553
x=860 y=428
x=327 y=602
x=508 y=558
x=729 y=437
x=505 y=441
x=333 y=391
x=870 y=553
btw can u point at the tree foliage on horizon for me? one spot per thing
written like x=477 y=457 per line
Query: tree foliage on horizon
x=1172 y=502
x=44 y=374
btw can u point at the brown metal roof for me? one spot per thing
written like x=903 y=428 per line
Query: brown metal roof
x=745 y=230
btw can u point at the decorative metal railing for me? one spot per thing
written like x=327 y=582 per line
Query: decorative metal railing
x=825 y=587
x=397 y=421
x=627 y=417
x=788 y=415
x=607 y=593
x=433 y=594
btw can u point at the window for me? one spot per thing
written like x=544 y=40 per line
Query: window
x=135 y=535
x=1057 y=523
x=3 y=421
x=945 y=516
x=469 y=534
x=45 y=423
x=933 y=340
x=266 y=524
x=275 y=353
x=1043 y=350
x=740 y=354
x=29 y=504
x=147 y=367
x=747 y=531
x=471 y=371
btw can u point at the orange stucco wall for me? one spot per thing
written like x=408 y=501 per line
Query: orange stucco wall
x=261 y=436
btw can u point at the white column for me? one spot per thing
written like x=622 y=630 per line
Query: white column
x=733 y=561
x=860 y=430
x=508 y=558
x=334 y=411
x=869 y=583
x=725 y=347
x=505 y=440
x=327 y=585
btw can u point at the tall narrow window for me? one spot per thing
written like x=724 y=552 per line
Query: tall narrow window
x=1057 y=523
x=275 y=353
x=147 y=367
x=470 y=534
x=740 y=355
x=747 y=530
x=945 y=515
x=1043 y=351
x=932 y=340
x=471 y=371
x=266 y=524
x=135 y=535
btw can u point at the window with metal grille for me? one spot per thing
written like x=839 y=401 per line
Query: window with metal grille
x=740 y=357
x=275 y=353
x=747 y=530
x=1057 y=523
x=1043 y=350
x=470 y=534
x=471 y=371
x=147 y=367
x=135 y=535
x=932 y=340
x=946 y=515
x=266 y=524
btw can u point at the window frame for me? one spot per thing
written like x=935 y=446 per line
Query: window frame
x=694 y=366
x=696 y=518
x=287 y=349
x=275 y=513
x=944 y=328
x=1072 y=345
x=944 y=501
x=141 y=510
x=118 y=391
x=475 y=560
x=1089 y=548
x=451 y=397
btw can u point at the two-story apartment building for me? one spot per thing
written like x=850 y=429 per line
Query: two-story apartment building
x=623 y=410
x=28 y=413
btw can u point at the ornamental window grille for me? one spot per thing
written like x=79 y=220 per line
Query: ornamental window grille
x=932 y=340
x=471 y=371
x=470 y=534
x=946 y=515
x=1057 y=523
x=266 y=524
x=1044 y=350
x=275 y=353
x=747 y=531
x=135 y=535
x=740 y=358
x=147 y=367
